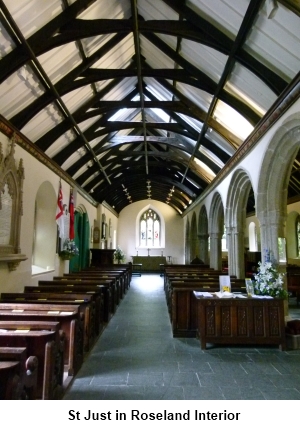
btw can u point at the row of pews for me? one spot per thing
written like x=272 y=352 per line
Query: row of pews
x=46 y=331
x=179 y=283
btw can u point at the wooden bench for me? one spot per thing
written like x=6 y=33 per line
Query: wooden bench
x=137 y=269
x=23 y=384
x=189 y=271
x=183 y=307
x=105 y=284
x=42 y=339
x=71 y=322
x=100 y=293
x=84 y=301
x=126 y=268
x=118 y=290
x=193 y=276
x=10 y=380
x=293 y=285
x=204 y=282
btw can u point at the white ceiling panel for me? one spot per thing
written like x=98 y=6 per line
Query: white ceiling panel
x=216 y=69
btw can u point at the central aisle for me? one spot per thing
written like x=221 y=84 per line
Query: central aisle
x=136 y=358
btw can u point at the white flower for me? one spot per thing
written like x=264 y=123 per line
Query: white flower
x=268 y=281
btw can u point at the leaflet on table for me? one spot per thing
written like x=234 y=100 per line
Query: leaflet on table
x=202 y=294
x=227 y=295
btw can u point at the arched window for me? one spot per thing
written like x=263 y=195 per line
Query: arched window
x=252 y=237
x=45 y=230
x=150 y=229
x=224 y=240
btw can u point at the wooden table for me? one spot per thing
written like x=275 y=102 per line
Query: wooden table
x=247 y=321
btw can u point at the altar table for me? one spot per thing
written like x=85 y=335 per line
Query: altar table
x=149 y=263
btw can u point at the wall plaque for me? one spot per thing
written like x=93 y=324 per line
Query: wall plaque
x=11 y=192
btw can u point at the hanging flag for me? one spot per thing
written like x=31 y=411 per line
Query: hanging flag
x=60 y=213
x=71 y=212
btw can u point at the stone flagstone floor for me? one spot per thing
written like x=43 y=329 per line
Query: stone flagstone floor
x=136 y=358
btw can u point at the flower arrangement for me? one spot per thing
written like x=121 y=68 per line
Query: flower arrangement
x=119 y=255
x=268 y=281
x=69 y=250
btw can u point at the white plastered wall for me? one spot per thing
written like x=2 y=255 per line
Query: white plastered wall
x=35 y=174
x=174 y=235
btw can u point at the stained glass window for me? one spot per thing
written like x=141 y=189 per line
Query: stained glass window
x=150 y=230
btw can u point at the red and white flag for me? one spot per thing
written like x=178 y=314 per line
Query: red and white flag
x=71 y=212
x=60 y=213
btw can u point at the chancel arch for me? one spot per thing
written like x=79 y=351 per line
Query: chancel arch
x=237 y=198
x=216 y=230
x=203 y=235
x=273 y=184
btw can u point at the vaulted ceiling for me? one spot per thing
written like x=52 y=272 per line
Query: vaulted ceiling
x=140 y=99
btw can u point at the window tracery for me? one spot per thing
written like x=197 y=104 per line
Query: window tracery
x=150 y=229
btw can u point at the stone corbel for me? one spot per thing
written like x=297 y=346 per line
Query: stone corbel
x=13 y=260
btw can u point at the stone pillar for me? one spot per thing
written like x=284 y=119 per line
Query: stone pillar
x=215 y=251
x=239 y=254
x=203 y=248
x=230 y=251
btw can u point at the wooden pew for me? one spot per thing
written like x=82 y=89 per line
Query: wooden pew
x=45 y=340
x=23 y=385
x=293 y=283
x=183 y=305
x=10 y=380
x=90 y=284
x=188 y=271
x=71 y=321
x=100 y=293
x=117 y=286
x=85 y=301
x=119 y=275
x=126 y=268
x=205 y=280
x=201 y=276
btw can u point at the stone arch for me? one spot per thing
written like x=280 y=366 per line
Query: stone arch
x=193 y=238
x=187 y=242
x=273 y=184
x=216 y=227
x=237 y=198
x=203 y=235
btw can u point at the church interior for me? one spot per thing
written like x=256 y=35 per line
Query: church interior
x=146 y=149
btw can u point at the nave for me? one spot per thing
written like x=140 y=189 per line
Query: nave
x=136 y=358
